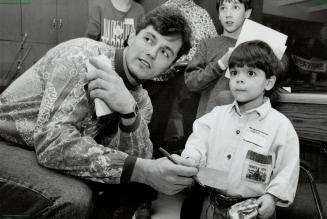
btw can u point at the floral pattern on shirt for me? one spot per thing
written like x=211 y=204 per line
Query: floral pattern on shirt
x=48 y=108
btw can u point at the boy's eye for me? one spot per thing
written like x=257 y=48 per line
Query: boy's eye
x=221 y=8
x=233 y=72
x=251 y=73
x=236 y=7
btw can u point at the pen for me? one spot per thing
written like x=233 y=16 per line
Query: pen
x=166 y=154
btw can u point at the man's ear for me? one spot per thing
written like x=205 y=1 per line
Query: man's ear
x=131 y=38
x=248 y=13
x=270 y=82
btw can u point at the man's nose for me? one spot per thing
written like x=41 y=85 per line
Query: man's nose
x=153 y=51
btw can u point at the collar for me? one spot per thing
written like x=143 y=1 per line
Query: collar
x=261 y=110
x=122 y=70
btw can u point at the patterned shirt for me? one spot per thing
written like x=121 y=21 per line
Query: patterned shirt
x=201 y=25
x=48 y=108
x=199 y=21
x=256 y=152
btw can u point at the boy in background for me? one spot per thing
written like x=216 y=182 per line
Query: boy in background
x=253 y=147
x=205 y=72
x=112 y=21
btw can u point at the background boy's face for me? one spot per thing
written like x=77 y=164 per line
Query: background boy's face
x=151 y=53
x=232 y=14
x=248 y=85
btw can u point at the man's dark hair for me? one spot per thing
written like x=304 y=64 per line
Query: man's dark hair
x=258 y=54
x=168 y=21
x=247 y=3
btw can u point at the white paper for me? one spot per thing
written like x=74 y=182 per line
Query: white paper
x=254 y=31
x=101 y=108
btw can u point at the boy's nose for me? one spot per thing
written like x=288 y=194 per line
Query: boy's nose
x=239 y=78
x=228 y=12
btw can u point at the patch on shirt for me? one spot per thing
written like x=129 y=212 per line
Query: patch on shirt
x=256 y=137
x=257 y=167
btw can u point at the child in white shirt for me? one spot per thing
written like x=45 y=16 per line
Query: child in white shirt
x=253 y=146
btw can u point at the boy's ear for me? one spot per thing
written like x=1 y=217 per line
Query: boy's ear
x=248 y=13
x=131 y=38
x=270 y=82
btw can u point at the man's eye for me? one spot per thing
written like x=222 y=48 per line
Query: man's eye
x=147 y=39
x=251 y=73
x=165 y=53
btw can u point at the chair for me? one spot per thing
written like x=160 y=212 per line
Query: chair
x=311 y=197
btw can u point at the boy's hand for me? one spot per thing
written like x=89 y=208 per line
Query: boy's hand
x=267 y=204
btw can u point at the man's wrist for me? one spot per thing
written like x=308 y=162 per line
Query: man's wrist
x=131 y=114
x=139 y=173
x=129 y=119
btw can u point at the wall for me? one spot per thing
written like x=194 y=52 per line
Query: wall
x=297 y=11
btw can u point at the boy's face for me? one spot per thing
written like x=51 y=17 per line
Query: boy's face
x=248 y=86
x=232 y=14
x=150 y=53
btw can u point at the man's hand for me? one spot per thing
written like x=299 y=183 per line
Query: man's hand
x=105 y=84
x=163 y=175
x=267 y=204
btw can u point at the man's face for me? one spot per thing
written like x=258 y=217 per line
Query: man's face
x=150 y=53
x=232 y=14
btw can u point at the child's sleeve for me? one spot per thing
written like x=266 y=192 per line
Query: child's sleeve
x=197 y=143
x=285 y=174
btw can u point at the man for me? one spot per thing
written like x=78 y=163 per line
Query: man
x=50 y=110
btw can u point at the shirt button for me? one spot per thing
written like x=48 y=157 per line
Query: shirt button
x=238 y=132
x=229 y=156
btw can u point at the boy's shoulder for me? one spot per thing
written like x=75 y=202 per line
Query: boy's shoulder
x=279 y=118
x=219 y=41
x=221 y=109
x=138 y=6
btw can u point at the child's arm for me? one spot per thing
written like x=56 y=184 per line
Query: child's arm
x=283 y=182
x=197 y=144
x=267 y=204
x=200 y=72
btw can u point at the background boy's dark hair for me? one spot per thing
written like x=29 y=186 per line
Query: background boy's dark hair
x=259 y=54
x=168 y=21
x=247 y=3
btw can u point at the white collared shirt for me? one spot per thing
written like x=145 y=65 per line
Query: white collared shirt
x=258 y=150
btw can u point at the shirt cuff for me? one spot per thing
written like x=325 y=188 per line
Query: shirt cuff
x=221 y=65
x=132 y=127
x=128 y=169
x=217 y=69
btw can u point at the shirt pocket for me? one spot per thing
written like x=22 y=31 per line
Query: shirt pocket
x=257 y=167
